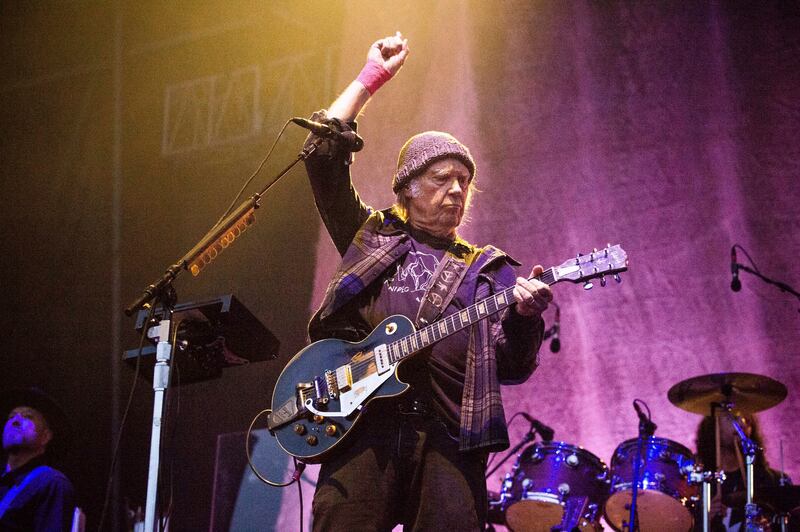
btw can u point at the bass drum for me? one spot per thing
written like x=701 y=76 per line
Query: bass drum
x=665 y=499
x=548 y=477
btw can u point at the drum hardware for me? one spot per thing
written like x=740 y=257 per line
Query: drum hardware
x=717 y=395
x=706 y=479
x=749 y=449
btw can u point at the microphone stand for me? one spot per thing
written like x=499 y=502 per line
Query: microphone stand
x=646 y=430
x=782 y=286
x=529 y=437
x=162 y=291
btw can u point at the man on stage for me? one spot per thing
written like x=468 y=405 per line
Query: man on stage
x=420 y=460
x=34 y=497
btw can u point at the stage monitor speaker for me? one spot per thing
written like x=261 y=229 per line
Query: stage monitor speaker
x=240 y=501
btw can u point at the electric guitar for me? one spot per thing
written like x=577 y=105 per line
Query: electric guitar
x=324 y=388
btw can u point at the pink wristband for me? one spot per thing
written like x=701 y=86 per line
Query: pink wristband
x=373 y=76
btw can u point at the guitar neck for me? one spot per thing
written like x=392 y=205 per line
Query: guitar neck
x=410 y=344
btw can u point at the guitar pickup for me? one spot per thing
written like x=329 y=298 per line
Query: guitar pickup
x=344 y=378
x=382 y=362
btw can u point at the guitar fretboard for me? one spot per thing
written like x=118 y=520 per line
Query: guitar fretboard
x=416 y=341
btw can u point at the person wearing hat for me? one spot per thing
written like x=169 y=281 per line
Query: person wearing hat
x=33 y=495
x=419 y=460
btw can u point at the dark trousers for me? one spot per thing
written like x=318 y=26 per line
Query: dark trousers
x=402 y=468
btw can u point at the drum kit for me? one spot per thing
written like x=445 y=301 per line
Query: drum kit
x=557 y=486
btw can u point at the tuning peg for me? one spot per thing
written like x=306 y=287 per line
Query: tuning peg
x=617 y=278
x=603 y=280
x=588 y=285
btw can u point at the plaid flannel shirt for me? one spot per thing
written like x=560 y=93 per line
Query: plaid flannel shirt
x=502 y=348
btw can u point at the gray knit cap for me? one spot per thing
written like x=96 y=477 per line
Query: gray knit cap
x=421 y=150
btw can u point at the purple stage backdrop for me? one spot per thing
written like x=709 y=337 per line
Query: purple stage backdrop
x=668 y=128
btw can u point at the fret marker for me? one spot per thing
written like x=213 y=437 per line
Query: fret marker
x=425 y=336
x=501 y=298
x=464 y=316
x=442 y=327
x=482 y=308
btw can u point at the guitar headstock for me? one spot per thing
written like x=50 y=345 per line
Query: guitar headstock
x=611 y=260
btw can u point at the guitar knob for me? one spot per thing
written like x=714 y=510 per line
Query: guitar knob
x=603 y=280
x=330 y=430
x=617 y=278
x=318 y=419
x=299 y=429
x=311 y=440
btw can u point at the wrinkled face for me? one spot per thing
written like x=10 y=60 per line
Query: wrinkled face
x=26 y=429
x=438 y=197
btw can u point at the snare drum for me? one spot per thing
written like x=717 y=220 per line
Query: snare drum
x=665 y=498
x=546 y=476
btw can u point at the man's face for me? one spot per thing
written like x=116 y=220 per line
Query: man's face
x=438 y=197
x=26 y=429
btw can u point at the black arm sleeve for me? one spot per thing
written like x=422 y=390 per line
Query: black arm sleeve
x=337 y=201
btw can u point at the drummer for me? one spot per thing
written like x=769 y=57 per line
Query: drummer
x=727 y=509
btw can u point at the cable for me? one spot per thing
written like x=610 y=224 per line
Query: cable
x=298 y=466
x=649 y=416
x=254 y=174
x=746 y=254
x=115 y=454
x=300 y=491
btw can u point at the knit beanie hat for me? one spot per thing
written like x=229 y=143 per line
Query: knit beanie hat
x=421 y=150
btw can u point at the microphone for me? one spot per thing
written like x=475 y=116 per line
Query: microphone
x=736 y=284
x=349 y=139
x=644 y=421
x=544 y=431
x=555 y=340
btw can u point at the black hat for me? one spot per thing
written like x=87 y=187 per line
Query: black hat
x=56 y=418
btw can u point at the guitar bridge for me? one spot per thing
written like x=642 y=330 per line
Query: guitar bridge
x=333 y=387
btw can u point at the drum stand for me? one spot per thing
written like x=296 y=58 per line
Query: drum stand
x=706 y=478
x=749 y=448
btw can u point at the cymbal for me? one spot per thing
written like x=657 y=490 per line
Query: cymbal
x=776 y=498
x=748 y=392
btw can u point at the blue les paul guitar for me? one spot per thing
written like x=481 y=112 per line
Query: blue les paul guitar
x=324 y=388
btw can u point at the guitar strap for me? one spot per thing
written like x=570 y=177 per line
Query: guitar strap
x=11 y=494
x=444 y=283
